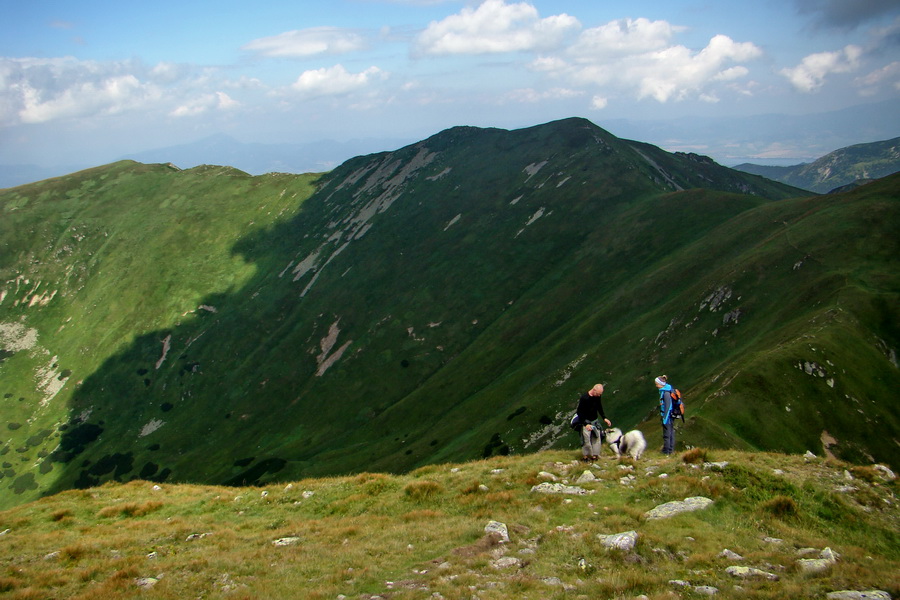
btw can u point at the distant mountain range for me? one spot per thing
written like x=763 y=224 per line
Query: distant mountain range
x=860 y=163
x=445 y=301
x=779 y=139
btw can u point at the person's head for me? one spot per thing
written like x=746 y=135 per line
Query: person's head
x=596 y=390
x=660 y=381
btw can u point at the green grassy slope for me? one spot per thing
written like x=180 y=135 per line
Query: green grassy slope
x=446 y=301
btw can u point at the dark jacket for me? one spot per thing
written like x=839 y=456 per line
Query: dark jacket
x=590 y=408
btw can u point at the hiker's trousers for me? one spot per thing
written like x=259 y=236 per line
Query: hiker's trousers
x=591 y=441
x=669 y=437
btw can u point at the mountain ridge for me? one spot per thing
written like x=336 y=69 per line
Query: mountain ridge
x=444 y=301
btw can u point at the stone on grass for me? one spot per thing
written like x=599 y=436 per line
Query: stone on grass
x=716 y=465
x=750 y=573
x=705 y=590
x=146 y=582
x=506 y=562
x=726 y=553
x=858 y=595
x=496 y=527
x=827 y=558
x=676 y=507
x=619 y=541
x=559 y=488
x=586 y=477
x=286 y=541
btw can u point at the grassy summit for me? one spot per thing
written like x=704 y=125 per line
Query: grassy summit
x=423 y=534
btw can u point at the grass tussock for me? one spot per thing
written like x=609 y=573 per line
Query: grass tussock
x=419 y=491
x=130 y=509
x=695 y=456
x=781 y=506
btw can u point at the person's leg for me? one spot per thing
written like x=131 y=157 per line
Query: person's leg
x=585 y=442
x=668 y=438
x=595 y=443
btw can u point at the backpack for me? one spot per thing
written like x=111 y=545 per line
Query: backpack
x=677 y=404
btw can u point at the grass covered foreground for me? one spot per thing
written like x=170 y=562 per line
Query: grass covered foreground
x=422 y=534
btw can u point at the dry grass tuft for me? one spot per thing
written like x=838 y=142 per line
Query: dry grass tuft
x=61 y=515
x=422 y=490
x=130 y=509
x=781 y=506
x=695 y=456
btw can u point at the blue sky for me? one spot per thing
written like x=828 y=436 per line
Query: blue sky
x=87 y=82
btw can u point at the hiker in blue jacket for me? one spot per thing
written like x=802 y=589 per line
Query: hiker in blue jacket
x=665 y=411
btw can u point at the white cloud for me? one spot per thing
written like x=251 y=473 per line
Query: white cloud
x=530 y=95
x=334 y=81
x=307 y=42
x=810 y=74
x=670 y=73
x=888 y=75
x=493 y=27
x=36 y=90
x=624 y=37
x=599 y=102
x=206 y=102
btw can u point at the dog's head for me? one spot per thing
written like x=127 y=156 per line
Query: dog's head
x=613 y=435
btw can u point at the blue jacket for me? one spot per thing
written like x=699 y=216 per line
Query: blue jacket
x=665 y=403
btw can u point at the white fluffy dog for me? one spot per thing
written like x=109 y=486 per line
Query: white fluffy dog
x=632 y=443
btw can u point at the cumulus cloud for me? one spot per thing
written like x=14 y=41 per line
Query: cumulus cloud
x=624 y=37
x=810 y=74
x=334 y=81
x=494 y=26
x=672 y=72
x=307 y=42
x=42 y=90
x=37 y=90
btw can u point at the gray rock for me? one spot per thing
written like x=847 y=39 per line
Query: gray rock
x=619 y=541
x=286 y=541
x=809 y=455
x=547 y=476
x=885 y=472
x=506 y=562
x=814 y=565
x=670 y=509
x=586 y=477
x=726 y=553
x=196 y=536
x=496 y=527
x=772 y=540
x=146 y=582
x=858 y=595
x=679 y=583
x=716 y=465
x=706 y=590
x=559 y=488
x=750 y=573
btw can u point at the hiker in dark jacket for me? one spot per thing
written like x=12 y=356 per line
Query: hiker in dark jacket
x=590 y=411
x=665 y=412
